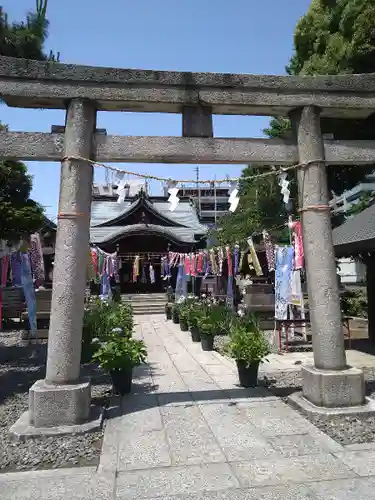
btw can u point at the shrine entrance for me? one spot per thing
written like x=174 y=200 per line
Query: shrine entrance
x=141 y=261
x=78 y=145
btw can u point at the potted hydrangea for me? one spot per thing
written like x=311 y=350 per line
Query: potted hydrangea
x=249 y=347
x=207 y=331
x=168 y=310
x=183 y=315
x=176 y=313
x=194 y=314
x=118 y=356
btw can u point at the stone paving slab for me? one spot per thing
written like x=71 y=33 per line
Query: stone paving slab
x=189 y=432
x=361 y=462
x=299 y=469
x=63 y=484
x=154 y=483
x=292 y=361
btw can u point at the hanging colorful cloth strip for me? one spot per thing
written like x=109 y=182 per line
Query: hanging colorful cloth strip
x=193 y=259
x=270 y=251
x=187 y=265
x=254 y=258
x=165 y=268
x=236 y=259
x=136 y=269
x=200 y=263
x=230 y=277
x=143 y=276
x=240 y=265
x=220 y=254
x=105 y=286
x=29 y=292
x=94 y=256
x=205 y=263
x=152 y=274
x=36 y=258
x=4 y=264
x=15 y=265
x=283 y=280
x=179 y=283
x=299 y=255
x=229 y=260
x=100 y=264
x=115 y=266
x=213 y=262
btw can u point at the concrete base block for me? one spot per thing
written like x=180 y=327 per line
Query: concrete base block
x=56 y=405
x=22 y=429
x=300 y=403
x=333 y=389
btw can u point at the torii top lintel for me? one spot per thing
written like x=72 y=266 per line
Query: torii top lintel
x=40 y=84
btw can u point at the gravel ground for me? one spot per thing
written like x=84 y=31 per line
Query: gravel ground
x=345 y=430
x=20 y=366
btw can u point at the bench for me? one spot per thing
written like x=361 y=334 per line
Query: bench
x=13 y=303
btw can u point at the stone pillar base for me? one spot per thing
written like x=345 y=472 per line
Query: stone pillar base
x=59 y=405
x=333 y=389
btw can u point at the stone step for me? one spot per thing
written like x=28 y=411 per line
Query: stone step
x=145 y=313
x=145 y=298
x=148 y=307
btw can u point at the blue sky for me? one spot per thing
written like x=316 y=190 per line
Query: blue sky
x=240 y=36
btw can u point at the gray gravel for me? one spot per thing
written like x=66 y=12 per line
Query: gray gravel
x=20 y=366
x=345 y=430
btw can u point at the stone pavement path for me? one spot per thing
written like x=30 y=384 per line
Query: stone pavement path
x=188 y=432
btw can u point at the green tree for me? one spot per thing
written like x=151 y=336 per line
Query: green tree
x=364 y=201
x=260 y=207
x=335 y=36
x=20 y=215
x=26 y=39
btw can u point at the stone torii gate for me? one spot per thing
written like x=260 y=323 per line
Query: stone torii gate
x=63 y=398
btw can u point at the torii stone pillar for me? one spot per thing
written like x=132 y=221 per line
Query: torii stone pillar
x=330 y=382
x=63 y=398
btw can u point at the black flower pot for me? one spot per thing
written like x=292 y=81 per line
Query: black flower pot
x=248 y=375
x=207 y=342
x=168 y=314
x=175 y=318
x=195 y=334
x=183 y=325
x=122 y=380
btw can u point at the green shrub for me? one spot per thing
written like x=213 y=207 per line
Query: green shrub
x=103 y=320
x=247 y=346
x=120 y=353
x=353 y=303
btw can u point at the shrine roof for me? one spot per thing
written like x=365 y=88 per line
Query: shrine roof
x=356 y=234
x=175 y=234
x=108 y=220
x=185 y=215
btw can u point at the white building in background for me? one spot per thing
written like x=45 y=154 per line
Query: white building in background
x=212 y=202
x=352 y=271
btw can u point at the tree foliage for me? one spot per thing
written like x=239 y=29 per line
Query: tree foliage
x=26 y=39
x=334 y=37
x=260 y=207
x=364 y=201
x=19 y=215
